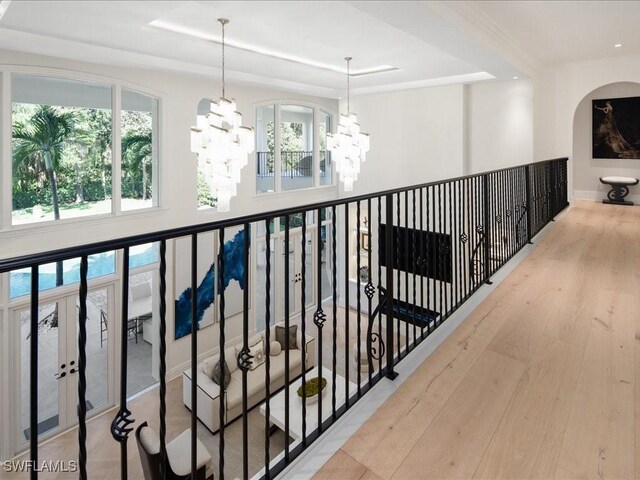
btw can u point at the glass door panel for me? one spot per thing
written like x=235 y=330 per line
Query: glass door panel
x=51 y=369
x=97 y=349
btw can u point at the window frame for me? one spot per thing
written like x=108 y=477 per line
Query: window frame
x=318 y=110
x=7 y=73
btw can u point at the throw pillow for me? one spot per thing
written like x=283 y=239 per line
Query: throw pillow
x=150 y=440
x=275 y=348
x=257 y=352
x=281 y=334
x=208 y=365
x=221 y=374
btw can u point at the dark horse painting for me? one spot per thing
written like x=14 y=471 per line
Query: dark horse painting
x=616 y=128
x=205 y=293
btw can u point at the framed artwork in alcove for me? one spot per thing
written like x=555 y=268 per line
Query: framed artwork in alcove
x=616 y=128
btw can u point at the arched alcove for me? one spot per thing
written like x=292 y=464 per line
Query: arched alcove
x=586 y=169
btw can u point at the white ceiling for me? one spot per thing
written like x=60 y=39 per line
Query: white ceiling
x=302 y=43
x=560 y=32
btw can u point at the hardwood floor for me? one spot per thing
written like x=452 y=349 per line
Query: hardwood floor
x=541 y=381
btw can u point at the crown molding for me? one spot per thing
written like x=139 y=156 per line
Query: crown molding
x=470 y=16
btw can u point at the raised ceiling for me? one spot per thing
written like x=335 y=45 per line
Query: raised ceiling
x=300 y=45
x=560 y=32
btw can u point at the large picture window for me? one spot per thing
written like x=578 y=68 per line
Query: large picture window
x=292 y=155
x=139 y=150
x=63 y=162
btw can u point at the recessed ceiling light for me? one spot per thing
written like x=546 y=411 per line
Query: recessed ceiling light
x=515 y=78
x=618 y=45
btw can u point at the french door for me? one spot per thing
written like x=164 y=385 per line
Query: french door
x=277 y=264
x=296 y=271
x=58 y=362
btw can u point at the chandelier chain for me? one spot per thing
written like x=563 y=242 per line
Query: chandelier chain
x=223 y=24
x=348 y=59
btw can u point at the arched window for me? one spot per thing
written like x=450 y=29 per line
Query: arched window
x=291 y=147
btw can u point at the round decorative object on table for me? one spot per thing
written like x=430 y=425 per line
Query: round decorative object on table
x=619 y=189
x=313 y=392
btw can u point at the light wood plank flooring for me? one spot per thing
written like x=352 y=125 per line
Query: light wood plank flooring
x=543 y=379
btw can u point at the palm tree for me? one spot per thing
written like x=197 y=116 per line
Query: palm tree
x=41 y=139
x=138 y=148
x=39 y=142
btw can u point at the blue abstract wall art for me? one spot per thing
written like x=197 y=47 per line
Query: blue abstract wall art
x=205 y=294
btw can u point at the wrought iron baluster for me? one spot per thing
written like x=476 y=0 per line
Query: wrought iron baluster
x=390 y=262
x=398 y=264
x=487 y=211
x=120 y=428
x=286 y=346
x=423 y=263
x=194 y=354
x=448 y=249
x=406 y=270
x=334 y=271
x=358 y=299
x=244 y=357
x=267 y=331
x=303 y=322
x=222 y=361
x=380 y=298
x=467 y=235
x=82 y=369
x=455 y=243
x=369 y=291
x=319 y=318
x=33 y=371
x=440 y=259
x=432 y=266
x=415 y=259
x=347 y=304
x=162 y=332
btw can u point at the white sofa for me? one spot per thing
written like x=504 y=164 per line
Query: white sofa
x=208 y=392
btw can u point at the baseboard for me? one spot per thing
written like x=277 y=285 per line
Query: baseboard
x=312 y=459
x=598 y=195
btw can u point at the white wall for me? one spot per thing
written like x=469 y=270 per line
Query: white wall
x=557 y=95
x=588 y=170
x=417 y=136
x=500 y=125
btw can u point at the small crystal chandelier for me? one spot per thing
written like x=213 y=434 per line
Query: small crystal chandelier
x=348 y=145
x=222 y=144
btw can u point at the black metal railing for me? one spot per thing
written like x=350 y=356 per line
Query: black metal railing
x=293 y=164
x=410 y=258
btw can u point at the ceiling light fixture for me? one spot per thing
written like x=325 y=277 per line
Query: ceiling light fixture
x=348 y=145
x=515 y=78
x=222 y=144
x=618 y=45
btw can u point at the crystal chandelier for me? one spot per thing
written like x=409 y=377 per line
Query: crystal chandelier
x=348 y=145
x=222 y=144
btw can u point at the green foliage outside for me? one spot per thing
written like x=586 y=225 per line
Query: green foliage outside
x=290 y=141
x=62 y=156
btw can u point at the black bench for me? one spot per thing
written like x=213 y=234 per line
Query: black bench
x=619 y=189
